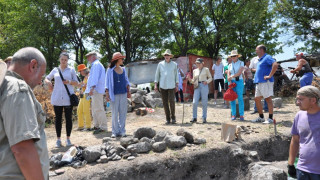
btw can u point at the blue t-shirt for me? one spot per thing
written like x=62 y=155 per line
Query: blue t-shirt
x=120 y=82
x=264 y=68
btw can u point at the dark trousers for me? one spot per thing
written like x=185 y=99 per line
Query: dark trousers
x=181 y=95
x=68 y=116
x=301 y=175
x=167 y=96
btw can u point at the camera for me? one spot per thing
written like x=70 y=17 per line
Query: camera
x=237 y=78
x=81 y=95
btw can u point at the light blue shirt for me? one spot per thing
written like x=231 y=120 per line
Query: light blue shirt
x=110 y=83
x=96 y=77
x=167 y=75
x=59 y=96
x=180 y=79
x=234 y=67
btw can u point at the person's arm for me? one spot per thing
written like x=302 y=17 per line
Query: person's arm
x=238 y=73
x=182 y=73
x=229 y=76
x=209 y=77
x=294 y=149
x=299 y=66
x=94 y=76
x=157 y=78
x=273 y=70
x=193 y=77
x=28 y=159
x=127 y=84
x=74 y=81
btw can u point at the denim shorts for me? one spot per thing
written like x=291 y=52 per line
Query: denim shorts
x=249 y=85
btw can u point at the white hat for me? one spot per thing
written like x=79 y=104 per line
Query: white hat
x=235 y=53
x=168 y=52
x=3 y=70
x=91 y=53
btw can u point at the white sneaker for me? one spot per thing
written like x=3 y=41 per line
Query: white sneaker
x=259 y=119
x=268 y=121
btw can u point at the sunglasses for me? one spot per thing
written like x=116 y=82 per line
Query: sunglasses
x=234 y=56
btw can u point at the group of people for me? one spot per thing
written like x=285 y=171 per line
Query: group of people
x=23 y=147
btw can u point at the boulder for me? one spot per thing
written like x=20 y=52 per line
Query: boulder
x=126 y=141
x=144 y=132
x=133 y=90
x=131 y=158
x=103 y=159
x=137 y=98
x=106 y=139
x=92 y=153
x=158 y=102
x=159 y=146
x=141 y=147
x=265 y=171
x=199 y=141
x=175 y=141
x=141 y=92
x=277 y=102
x=155 y=94
x=161 y=135
x=149 y=101
x=185 y=134
x=138 y=105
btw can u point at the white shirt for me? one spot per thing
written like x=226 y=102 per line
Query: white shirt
x=218 y=71
x=59 y=96
x=254 y=63
x=97 y=77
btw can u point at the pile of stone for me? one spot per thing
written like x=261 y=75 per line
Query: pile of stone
x=144 y=140
x=140 y=98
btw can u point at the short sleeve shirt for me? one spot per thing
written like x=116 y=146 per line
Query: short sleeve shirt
x=21 y=118
x=225 y=74
x=234 y=67
x=307 y=127
x=264 y=68
x=218 y=71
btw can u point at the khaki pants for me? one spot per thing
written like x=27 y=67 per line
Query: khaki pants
x=168 y=96
x=98 y=113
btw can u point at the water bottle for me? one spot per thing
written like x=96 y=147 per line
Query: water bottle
x=88 y=97
x=108 y=104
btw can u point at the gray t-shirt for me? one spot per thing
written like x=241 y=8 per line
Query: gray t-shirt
x=21 y=118
x=218 y=71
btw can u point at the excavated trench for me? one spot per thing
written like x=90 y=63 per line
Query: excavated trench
x=230 y=162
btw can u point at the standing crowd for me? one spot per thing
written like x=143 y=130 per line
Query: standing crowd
x=23 y=148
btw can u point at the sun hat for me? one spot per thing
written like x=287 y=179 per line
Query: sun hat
x=235 y=53
x=8 y=59
x=168 y=52
x=299 y=53
x=199 y=60
x=116 y=56
x=91 y=53
x=3 y=67
x=81 y=67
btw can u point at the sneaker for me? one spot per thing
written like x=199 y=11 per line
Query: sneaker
x=113 y=136
x=123 y=135
x=268 y=121
x=254 y=112
x=174 y=121
x=80 y=129
x=193 y=120
x=167 y=122
x=68 y=142
x=241 y=118
x=233 y=118
x=58 y=143
x=226 y=106
x=204 y=120
x=259 y=119
x=97 y=131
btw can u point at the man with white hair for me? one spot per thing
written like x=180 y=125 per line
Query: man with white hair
x=306 y=135
x=23 y=146
x=96 y=89
x=304 y=70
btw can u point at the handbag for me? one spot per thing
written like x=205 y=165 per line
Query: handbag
x=196 y=84
x=74 y=101
x=230 y=95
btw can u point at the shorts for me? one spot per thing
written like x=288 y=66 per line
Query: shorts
x=217 y=82
x=226 y=86
x=264 y=89
x=249 y=85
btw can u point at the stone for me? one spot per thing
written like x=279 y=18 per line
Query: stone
x=133 y=90
x=126 y=141
x=106 y=139
x=125 y=154
x=120 y=149
x=55 y=157
x=158 y=102
x=199 y=141
x=144 y=132
x=161 y=135
x=175 y=141
x=92 y=153
x=130 y=108
x=185 y=134
x=277 y=102
x=104 y=159
x=265 y=171
x=149 y=101
x=141 y=147
x=111 y=152
x=141 y=111
x=253 y=154
x=155 y=94
x=237 y=152
x=159 y=146
x=116 y=158
x=131 y=158
x=141 y=92
x=145 y=139
x=137 y=98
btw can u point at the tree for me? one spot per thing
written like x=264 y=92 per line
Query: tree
x=304 y=18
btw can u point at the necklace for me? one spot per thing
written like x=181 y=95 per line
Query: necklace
x=118 y=78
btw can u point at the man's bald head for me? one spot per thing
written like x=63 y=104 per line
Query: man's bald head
x=25 y=55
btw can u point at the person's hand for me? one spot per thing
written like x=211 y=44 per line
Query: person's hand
x=230 y=78
x=156 y=88
x=66 y=82
x=50 y=86
x=267 y=77
x=176 y=89
x=292 y=71
x=108 y=97
x=128 y=95
x=292 y=171
x=91 y=92
x=205 y=83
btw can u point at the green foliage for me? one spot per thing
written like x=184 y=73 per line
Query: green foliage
x=304 y=18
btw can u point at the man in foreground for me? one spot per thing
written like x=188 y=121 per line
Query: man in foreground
x=23 y=146
x=306 y=135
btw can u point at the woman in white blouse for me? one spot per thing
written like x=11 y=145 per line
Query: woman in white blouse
x=201 y=78
x=60 y=98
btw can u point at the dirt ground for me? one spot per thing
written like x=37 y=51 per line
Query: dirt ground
x=210 y=131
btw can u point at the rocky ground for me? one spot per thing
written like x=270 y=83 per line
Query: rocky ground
x=210 y=131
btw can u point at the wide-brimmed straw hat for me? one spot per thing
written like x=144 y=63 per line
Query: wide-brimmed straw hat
x=3 y=67
x=81 y=67
x=168 y=52
x=116 y=56
x=8 y=59
x=91 y=53
x=234 y=53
